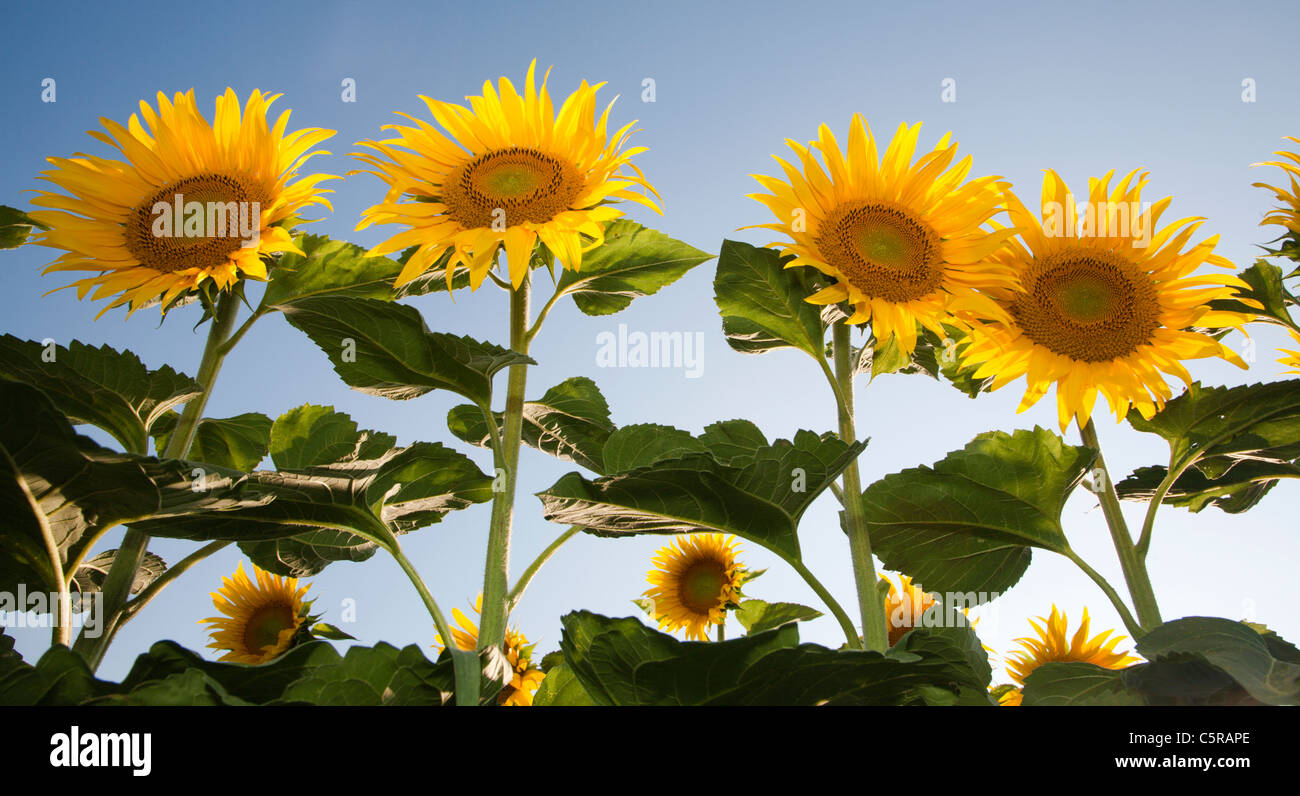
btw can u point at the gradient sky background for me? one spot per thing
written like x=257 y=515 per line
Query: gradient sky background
x=1081 y=89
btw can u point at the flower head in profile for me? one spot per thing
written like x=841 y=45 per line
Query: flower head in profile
x=524 y=679
x=1052 y=644
x=902 y=241
x=905 y=605
x=506 y=172
x=1288 y=215
x=1106 y=307
x=695 y=580
x=191 y=206
x=260 y=616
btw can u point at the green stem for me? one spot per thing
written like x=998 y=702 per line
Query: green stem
x=874 y=631
x=465 y=662
x=173 y=572
x=492 y=632
x=841 y=616
x=1135 y=571
x=62 y=631
x=512 y=599
x=1134 y=628
x=722 y=627
x=1149 y=521
x=130 y=554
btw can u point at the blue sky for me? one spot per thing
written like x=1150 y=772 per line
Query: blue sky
x=1080 y=89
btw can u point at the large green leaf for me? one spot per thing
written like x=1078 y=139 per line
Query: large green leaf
x=623 y=662
x=337 y=493
x=570 y=422
x=15 y=227
x=634 y=261
x=762 y=302
x=313 y=673
x=1216 y=426
x=52 y=478
x=760 y=496
x=236 y=443
x=1234 y=648
x=384 y=349
x=1267 y=288
x=967 y=523
x=561 y=688
x=1239 y=489
x=1228 y=445
x=109 y=389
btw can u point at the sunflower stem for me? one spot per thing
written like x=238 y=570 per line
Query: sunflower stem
x=142 y=599
x=1153 y=505
x=722 y=628
x=1135 y=571
x=464 y=662
x=130 y=554
x=497 y=569
x=874 y=632
x=1130 y=623
x=837 y=610
x=518 y=591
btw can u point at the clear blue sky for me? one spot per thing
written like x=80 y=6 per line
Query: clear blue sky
x=1081 y=89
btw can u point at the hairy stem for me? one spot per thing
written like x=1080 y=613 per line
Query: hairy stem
x=496 y=573
x=874 y=631
x=1135 y=571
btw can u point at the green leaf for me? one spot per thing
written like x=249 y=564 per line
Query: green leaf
x=52 y=477
x=643 y=444
x=731 y=441
x=561 y=688
x=1266 y=287
x=338 y=492
x=634 y=261
x=60 y=677
x=1239 y=489
x=623 y=662
x=90 y=576
x=1079 y=684
x=236 y=443
x=109 y=389
x=756 y=615
x=1233 y=648
x=15 y=227
x=384 y=349
x=1217 y=426
x=327 y=631
x=759 y=497
x=762 y=302
x=329 y=268
x=966 y=524
x=570 y=422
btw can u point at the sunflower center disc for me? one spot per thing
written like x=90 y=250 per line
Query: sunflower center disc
x=701 y=586
x=510 y=186
x=207 y=218
x=265 y=625
x=1089 y=305
x=882 y=249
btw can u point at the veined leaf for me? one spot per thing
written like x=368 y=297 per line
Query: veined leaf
x=15 y=227
x=634 y=261
x=381 y=348
x=102 y=387
x=757 y=615
x=237 y=443
x=762 y=302
x=760 y=497
x=967 y=523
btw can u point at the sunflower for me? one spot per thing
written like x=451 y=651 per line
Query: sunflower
x=1291 y=358
x=509 y=172
x=696 y=579
x=192 y=204
x=1106 y=310
x=524 y=678
x=1289 y=214
x=904 y=607
x=903 y=241
x=261 y=619
x=1051 y=647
